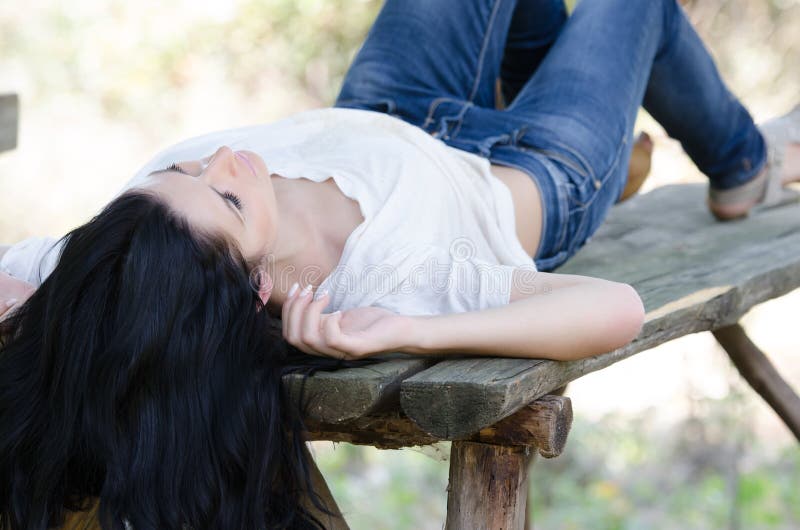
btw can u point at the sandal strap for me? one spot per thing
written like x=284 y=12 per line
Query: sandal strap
x=778 y=133
x=767 y=189
x=753 y=191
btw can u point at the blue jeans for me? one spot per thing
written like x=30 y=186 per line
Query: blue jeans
x=577 y=83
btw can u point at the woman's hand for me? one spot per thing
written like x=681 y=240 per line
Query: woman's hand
x=352 y=334
x=13 y=293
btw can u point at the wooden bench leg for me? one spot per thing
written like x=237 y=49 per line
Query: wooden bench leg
x=758 y=371
x=488 y=487
x=566 y=411
x=331 y=522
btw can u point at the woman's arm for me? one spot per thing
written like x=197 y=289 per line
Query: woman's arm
x=13 y=293
x=552 y=316
x=31 y=259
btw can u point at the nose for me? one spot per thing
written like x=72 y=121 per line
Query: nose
x=221 y=164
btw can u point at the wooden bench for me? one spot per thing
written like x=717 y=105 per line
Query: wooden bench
x=693 y=273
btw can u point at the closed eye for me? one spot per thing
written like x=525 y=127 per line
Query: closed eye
x=229 y=196
x=233 y=198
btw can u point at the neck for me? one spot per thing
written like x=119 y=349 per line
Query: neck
x=297 y=243
x=296 y=223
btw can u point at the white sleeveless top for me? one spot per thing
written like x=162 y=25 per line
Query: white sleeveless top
x=438 y=234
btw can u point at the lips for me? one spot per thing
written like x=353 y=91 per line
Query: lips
x=243 y=158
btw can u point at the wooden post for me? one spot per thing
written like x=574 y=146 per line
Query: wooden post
x=761 y=375
x=488 y=487
x=334 y=520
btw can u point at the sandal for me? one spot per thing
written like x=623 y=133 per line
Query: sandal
x=767 y=189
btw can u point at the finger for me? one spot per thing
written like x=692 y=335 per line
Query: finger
x=9 y=304
x=296 y=315
x=353 y=346
x=7 y=307
x=328 y=326
x=310 y=332
x=312 y=336
x=332 y=331
x=287 y=304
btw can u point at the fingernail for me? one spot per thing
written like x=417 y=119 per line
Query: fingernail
x=306 y=290
x=293 y=288
x=10 y=302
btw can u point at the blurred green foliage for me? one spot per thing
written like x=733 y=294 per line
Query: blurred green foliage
x=131 y=58
x=623 y=472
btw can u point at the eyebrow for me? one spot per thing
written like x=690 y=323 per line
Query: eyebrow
x=228 y=204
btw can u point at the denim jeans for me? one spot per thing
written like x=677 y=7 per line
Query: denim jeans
x=575 y=84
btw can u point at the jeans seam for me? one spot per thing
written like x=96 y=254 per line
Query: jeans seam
x=586 y=170
x=611 y=169
x=559 y=158
x=460 y=117
x=581 y=225
x=435 y=105
x=563 y=218
x=668 y=29
x=484 y=46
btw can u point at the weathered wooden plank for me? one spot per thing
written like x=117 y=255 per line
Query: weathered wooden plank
x=546 y=422
x=9 y=118
x=386 y=430
x=693 y=273
x=346 y=394
x=543 y=424
x=488 y=488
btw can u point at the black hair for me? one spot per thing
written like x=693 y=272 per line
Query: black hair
x=145 y=372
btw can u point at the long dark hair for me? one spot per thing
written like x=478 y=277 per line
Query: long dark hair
x=145 y=372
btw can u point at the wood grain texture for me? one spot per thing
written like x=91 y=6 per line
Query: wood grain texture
x=488 y=487
x=342 y=395
x=9 y=119
x=692 y=272
x=543 y=424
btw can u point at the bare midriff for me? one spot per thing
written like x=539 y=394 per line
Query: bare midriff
x=527 y=205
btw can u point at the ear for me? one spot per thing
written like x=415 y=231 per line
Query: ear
x=264 y=286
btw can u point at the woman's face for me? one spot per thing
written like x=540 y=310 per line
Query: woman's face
x=228 y=192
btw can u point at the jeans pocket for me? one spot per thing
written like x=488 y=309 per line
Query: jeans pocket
x=580 y=183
